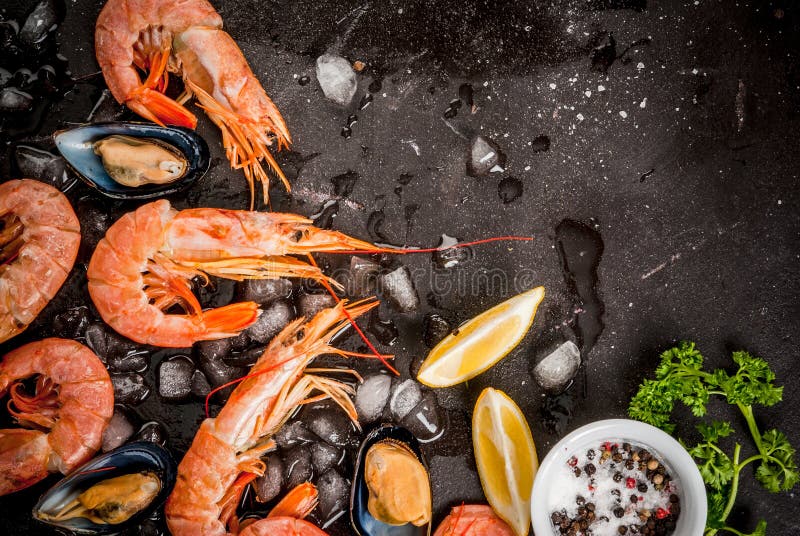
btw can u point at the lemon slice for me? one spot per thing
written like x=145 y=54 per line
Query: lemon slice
x=505 y=456
x=480 y=342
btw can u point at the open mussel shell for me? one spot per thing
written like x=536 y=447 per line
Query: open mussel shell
x=77 y=145
x=138 y=457
x=362 y=521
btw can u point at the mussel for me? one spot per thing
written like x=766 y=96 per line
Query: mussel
x=111 y=493
x=134 y=160
x=391 y=494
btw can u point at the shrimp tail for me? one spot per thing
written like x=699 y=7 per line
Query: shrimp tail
x=160 y=109
x=298 y=503
x=229 y=320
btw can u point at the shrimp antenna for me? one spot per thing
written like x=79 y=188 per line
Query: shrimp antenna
x=353 y=322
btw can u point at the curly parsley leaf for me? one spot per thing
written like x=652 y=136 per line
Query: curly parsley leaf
x=778 y=471
x=716 y=509
x=714 y=430
x=715 y=466
x=753 y=383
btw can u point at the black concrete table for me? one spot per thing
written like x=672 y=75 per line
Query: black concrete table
x=672 y=129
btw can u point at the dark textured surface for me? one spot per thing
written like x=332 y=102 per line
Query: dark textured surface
x=694 y=195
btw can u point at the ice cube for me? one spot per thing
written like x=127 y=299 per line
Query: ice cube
x=151 y=527
x=405 y=396
x=399 y=288
x=363 y=274
x=311 y=304
x=209 y=356
x=297 y=466
x=444 y=259
x=485 y=156
x=14 y=100
x=425 y=420
x=134 y=361
x=246 y=358
x=263 y=291
x=329 y=422
x=44 y=166
x=94 y=223
x=292 y=434
x=384 y=330
x=118 y=431
x=334 y=494
x=325 y=456
x=43 y=19
x=435 y=328
x=106 y=109
x=337 y=78
x=72 y=323
x=556 y=370
x=200 y=386
x=213 y=350
x=372 y=396
x=175 y=378
x=154 y=432
x=129 y=388
x=121 y=354
x=240 y=342
x=269 y=486
x=271 y=321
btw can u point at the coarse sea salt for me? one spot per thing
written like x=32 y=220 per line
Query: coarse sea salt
x=577 y=488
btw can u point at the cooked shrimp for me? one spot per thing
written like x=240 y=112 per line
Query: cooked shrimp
x=39 y=239
x=145 y=263
x=473 y=520
x=186 y=38
x=226 y=452
x=73 y=402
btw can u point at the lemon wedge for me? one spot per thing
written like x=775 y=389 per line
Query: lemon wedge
x=505 y=456
x=480 y=342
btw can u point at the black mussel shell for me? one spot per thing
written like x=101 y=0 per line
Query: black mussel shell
x=362 y=521
x=127 y=459
x=77 y=147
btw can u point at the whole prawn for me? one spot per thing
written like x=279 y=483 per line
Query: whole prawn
x=73 y=401
x=145 y=263
x=186 y=37
x=39 y=240
x=226 y=452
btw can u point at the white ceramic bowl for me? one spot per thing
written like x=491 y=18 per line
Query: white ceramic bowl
x=692 y=491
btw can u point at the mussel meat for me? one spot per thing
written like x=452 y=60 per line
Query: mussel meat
x=137 y=161
x=113 y=501
x=399 y=489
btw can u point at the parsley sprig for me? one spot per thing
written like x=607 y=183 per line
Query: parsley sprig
x=680 y=378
